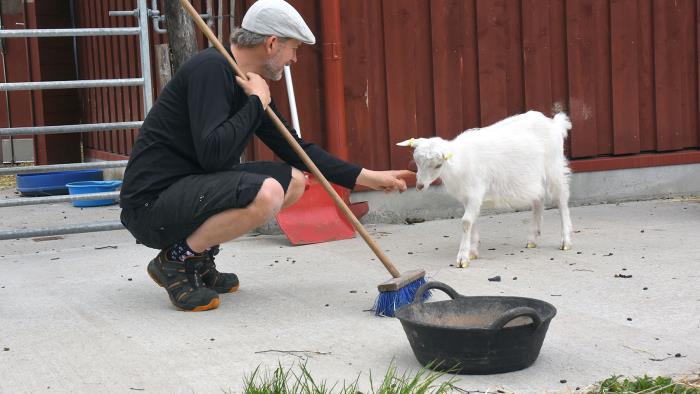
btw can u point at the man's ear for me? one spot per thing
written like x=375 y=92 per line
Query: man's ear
x=270 y=43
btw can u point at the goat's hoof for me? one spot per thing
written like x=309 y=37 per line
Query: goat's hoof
x=463 y=264
x=565 y=247
x=473 y=256
x=531 y=245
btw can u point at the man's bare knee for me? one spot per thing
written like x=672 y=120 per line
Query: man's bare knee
x=269 y=199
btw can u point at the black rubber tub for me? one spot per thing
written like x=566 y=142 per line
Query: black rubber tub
x=475 y=335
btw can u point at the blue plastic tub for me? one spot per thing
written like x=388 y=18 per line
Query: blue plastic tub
x=86 y=187
x=53 y=183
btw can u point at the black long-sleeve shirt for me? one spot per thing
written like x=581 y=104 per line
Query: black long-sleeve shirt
x=201 y=123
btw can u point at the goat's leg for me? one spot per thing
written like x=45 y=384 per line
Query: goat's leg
x=474 y=246
x=537 y=213
x=471 y=211
x=565 y=218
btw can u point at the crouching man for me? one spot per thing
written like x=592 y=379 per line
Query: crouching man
x=185 y=190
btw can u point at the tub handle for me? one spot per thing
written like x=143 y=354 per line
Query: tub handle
x=515 y=313
x=435 y=285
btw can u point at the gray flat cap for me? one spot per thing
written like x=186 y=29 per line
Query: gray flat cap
x=277 y=18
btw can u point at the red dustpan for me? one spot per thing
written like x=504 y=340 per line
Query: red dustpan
x=315 y=218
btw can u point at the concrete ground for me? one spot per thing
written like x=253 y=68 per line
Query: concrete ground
x=78 y=313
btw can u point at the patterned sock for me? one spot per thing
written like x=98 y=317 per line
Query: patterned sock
x=180 y=251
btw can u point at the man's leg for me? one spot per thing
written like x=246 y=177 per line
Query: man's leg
x=202 y=211
x=233 y=223
x=223 y=282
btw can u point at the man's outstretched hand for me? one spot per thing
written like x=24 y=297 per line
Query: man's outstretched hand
x=388 y=181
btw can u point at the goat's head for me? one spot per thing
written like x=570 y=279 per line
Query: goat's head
x=430 y=155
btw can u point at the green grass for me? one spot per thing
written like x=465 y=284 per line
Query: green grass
x=299 y=381
x=644 y=385
x=424 y=381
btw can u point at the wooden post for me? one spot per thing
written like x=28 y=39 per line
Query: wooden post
x=232 y=11
x=220 y=20
x=163 y=65
x=210 y=11
x=181 y=34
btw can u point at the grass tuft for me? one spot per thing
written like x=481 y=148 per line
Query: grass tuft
x=300 y=381
x=644 y=385
x=424 y=381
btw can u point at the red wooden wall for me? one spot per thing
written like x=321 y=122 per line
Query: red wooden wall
x=53 y=60
x=41 y=59
x=109 y=57
x=16 y=107
x=625 y=70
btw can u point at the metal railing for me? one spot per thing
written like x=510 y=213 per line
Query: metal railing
x=142 y=13
x=94 y=83
x=63 y=167
x=105 y=31
x=78 y=128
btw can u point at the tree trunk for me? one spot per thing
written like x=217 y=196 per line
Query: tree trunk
x=181 y=35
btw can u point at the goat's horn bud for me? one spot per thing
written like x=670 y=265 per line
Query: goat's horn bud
x=447 y=156
x=410 y=143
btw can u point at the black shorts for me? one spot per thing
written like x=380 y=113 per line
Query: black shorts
x=184 y=206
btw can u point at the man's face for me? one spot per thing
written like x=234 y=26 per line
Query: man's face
x=283 y=53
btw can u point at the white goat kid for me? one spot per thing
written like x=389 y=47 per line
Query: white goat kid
x=516 y=162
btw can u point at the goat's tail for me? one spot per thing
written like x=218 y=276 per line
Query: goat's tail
x=563 y=122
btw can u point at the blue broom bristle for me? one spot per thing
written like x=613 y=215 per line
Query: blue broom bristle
x=389 y=301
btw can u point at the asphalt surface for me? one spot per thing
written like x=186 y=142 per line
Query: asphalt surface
x=78 y=313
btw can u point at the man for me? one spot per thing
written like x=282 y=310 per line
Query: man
x=185 y=190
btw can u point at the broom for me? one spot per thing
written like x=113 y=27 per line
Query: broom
x=394 y=293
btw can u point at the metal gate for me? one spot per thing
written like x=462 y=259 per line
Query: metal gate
x=142 y=13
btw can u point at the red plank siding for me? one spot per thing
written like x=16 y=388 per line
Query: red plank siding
x=471 y=106
x=377 y=104
x=601 y=17
x=626 y=70
x=647 y=98
x=500 y=59
x=537 y=55
x=364 y=82
x=583 y=78
x=425 y=114
x=624 y=20
x=19 y=103
x=402 y=75
x=675 y=59
x=448 y=42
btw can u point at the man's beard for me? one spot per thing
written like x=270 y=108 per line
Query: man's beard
x=272 y=70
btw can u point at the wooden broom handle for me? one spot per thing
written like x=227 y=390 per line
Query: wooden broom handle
x=296 y=147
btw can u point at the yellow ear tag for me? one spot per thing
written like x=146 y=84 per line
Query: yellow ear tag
x=447 y=156
x=410 y=142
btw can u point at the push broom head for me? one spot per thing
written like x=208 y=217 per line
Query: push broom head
x=397 y=292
